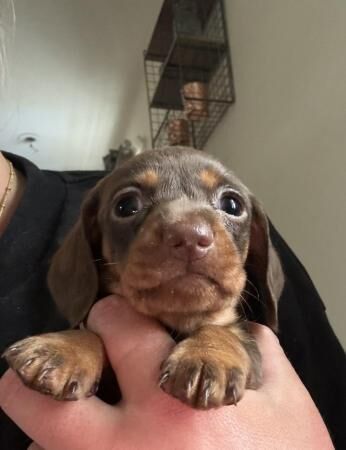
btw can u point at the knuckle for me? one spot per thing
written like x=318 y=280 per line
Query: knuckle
x=103 y=311
x=264 y=333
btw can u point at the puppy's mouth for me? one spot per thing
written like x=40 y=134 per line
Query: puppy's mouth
x=196 y=282
x=189 y=292
x=193 y=277
x=188 y=283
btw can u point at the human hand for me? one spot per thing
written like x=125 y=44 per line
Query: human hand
x=280 y=414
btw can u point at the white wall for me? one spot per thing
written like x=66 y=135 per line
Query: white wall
x=286 y=135
x=73 y=67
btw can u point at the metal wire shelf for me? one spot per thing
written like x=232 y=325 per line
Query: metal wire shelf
x=176 y=58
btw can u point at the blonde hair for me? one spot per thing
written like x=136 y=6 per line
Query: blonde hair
x=7 y=22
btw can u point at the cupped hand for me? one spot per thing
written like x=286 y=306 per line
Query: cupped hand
x=279 y=415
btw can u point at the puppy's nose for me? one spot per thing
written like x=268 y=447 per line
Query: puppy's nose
x=189 y=240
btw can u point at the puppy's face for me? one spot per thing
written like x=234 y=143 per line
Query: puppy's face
x=175 y=232
x=172 y=229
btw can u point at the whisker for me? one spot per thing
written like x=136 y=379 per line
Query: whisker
x=254 y=286
x=242 y=299
x=256 y=297
x=110 y=264
x=251 y=294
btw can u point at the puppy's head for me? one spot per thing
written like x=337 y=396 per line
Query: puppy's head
x=178 y=235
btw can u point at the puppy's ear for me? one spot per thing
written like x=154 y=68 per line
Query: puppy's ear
x=263 y=268
x=73 y=277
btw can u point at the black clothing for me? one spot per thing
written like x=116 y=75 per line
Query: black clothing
x=48 y=208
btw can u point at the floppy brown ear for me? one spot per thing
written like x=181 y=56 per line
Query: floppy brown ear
x=73 y=276
x=264 y=268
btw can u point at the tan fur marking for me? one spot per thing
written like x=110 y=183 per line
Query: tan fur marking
x=148 y=178
x=209 y=178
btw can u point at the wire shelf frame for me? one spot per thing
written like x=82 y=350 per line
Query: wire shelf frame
x=188 y=72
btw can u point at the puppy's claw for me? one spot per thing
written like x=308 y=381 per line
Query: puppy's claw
x=10 y=352
x=206 y=398
x=94 y=389
x=71 y=390
x=164 y=377
x=235 y=387
x=44 y=374
x=28 y=363
x=234 y=396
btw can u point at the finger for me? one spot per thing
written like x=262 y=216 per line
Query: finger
x=269 y=347
x=136 y=346
x=283 y=385
x=275 y=365
x=53 y=424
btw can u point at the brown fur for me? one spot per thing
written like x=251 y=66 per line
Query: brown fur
x=65 y=365
x=212 y=367
x=180 y=259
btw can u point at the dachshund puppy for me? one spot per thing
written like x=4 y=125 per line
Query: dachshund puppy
x=184 y=241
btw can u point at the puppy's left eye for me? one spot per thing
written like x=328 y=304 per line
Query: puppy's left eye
x=128 y=205
x=230 y=204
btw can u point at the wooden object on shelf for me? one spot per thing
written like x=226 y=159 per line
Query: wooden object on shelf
x=195 y=97
x=197 y=57
x=178 y=132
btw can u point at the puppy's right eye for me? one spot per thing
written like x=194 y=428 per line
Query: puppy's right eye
x=128 y=205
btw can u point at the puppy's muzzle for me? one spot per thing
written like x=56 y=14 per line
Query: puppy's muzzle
x=189 y=240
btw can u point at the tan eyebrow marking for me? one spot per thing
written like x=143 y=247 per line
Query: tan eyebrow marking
x=209 y=178
x=149 y=178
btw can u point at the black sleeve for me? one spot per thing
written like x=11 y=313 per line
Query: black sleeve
x=310 y=343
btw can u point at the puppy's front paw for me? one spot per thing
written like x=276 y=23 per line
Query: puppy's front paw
x=201 y=379
x=65 y=365
x=213 y=367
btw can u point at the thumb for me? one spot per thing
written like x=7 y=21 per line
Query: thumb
x=278 y=372
x=136 y=346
